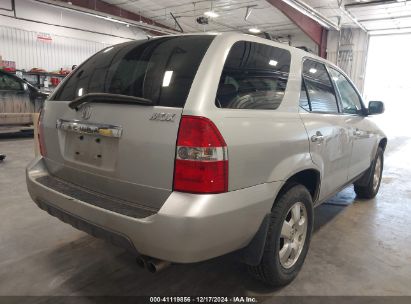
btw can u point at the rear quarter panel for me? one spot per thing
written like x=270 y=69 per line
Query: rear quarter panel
x=263 y=147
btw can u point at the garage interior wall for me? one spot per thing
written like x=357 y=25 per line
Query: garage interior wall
x=74 y=35
x=348 y=49
x=28 y=51
x=301 y=39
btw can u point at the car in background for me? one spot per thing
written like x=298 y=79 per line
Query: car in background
x=18 y=101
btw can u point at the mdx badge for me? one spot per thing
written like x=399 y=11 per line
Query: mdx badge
x=163 y=116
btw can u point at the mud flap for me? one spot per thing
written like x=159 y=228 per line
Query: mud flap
x=253 y=252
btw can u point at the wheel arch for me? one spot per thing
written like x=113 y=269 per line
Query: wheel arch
x=309 y=178
x=383 y=143
x=253 y=252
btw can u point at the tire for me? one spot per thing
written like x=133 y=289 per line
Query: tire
x=272 y=270
x=370 y=190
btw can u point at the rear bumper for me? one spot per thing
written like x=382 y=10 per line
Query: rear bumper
x=188 y=227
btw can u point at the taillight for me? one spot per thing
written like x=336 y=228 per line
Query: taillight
x=40 y=129
x=201 y=157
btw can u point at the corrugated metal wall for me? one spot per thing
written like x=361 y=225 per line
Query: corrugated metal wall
x=352 y=53
x=29 y=52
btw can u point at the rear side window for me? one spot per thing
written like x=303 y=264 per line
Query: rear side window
x=254 y=76
x=161 y=70
x=319 y=88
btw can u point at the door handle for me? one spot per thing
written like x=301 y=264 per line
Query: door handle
x=317 y=138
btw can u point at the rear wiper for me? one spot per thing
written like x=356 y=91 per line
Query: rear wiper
x=108 y=98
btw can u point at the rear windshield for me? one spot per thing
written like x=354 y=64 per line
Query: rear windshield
x=161 y=70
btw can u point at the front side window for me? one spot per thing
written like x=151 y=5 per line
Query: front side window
x=254 y=76
x=9 y=83
x=319 y=87
x=351 y=102
x=160 y=69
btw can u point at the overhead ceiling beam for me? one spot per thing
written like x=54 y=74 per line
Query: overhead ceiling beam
x=107 y=8
x=391 y=31
x=372 y=3
x=310 y=27
x=351 y=17
x=385 y=18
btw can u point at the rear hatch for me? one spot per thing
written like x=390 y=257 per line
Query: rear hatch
x=112 y=126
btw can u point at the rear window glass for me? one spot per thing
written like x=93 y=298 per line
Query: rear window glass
x=319 y=87
x=254 y=76
x=161 y=70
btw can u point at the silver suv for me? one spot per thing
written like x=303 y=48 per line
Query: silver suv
x=185 y=148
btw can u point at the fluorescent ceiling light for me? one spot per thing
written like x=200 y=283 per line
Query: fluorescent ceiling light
x=167 y=78
x=211 y=14
x=108 y=18
x=273 y=62
x=254 y=30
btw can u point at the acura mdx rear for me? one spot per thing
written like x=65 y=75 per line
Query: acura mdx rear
x=123 y=159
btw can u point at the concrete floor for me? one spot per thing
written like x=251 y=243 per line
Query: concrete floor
x=358 y=247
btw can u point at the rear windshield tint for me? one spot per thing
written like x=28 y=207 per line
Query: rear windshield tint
x=161 y=70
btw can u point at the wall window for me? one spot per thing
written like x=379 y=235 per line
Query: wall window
x=351 y=102
x=254 y=76
x=319 y=87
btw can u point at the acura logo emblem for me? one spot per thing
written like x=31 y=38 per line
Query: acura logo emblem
x=86 y=112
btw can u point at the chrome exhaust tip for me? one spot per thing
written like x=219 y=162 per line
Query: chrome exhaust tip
x=155 y=265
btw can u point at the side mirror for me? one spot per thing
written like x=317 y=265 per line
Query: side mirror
x=376 y=107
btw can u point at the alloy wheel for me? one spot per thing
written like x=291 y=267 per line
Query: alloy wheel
x=293 y=235
x=377 y=173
